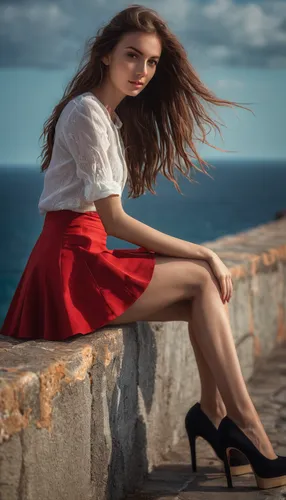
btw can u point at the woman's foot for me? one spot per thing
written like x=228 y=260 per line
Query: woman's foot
x=254 y=430
x=250 y=425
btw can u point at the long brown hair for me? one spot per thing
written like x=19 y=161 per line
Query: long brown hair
x=173 y=104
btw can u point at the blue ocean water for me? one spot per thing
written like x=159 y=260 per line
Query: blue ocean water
x=241 y=195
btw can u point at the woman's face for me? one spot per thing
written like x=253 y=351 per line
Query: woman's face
x=134 y=58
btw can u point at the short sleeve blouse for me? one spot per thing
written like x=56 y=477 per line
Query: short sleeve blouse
x=88 y=160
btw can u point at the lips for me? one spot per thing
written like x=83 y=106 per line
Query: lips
x=136 y=82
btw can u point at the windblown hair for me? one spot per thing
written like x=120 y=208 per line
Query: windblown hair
x=163 y=119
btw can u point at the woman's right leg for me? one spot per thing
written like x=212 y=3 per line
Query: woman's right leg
x=179 y=279
x=214 y=336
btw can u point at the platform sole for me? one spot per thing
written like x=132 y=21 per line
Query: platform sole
x=239 y=470
x=263 y=483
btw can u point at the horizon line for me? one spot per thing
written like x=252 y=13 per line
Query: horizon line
x=213 y=159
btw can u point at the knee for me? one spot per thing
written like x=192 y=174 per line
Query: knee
x=207 y=277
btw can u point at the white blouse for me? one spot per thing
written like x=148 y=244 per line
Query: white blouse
x=87 y=161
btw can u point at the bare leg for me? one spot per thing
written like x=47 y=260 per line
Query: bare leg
x=211 y=400
x=212 y=330
x=186 y=280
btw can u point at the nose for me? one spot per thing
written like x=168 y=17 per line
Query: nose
x=142 y=69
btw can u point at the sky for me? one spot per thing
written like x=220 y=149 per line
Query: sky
x=238 y=47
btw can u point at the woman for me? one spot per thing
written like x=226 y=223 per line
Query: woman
x=73 y=284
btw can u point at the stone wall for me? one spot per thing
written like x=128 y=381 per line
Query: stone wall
x=90 y=416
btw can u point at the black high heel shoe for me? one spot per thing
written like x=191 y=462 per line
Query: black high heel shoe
x=198 y=424
x=268 y=473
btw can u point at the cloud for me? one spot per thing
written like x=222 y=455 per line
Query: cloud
x=44 y=34
x=253 y=33
x=228 y=32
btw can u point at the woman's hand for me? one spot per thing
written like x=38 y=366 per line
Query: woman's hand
x=223 y=276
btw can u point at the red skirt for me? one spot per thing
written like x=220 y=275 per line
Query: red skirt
x=72 y=282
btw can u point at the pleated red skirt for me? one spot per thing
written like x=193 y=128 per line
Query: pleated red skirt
x=72 y=282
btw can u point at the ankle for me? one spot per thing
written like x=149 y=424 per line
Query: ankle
x=215 y=412
x=244 y=418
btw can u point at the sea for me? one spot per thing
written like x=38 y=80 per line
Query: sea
x=236 y=195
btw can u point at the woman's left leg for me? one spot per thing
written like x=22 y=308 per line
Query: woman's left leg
x=211 y=400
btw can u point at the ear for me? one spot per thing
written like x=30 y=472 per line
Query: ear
x=105 y=60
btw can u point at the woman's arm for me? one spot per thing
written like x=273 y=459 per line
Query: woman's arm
x=119 y=224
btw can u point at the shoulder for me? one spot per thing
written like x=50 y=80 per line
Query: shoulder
x=84 y=108
x=84 y=121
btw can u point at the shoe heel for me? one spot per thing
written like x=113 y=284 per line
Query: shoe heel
x=192 y=440
x=227 y=469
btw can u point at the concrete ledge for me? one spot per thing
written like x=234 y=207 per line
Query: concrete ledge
x=90 y=416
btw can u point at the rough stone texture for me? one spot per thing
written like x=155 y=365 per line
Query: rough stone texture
x=167 y=367
x=173 y=478
x=90 y=416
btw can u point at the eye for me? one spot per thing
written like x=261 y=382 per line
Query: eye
x=131 y=54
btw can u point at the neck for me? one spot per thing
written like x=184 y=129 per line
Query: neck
x=109 y=96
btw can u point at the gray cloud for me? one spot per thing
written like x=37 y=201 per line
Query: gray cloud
x=51 y=35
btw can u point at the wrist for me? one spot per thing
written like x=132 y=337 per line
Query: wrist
x=209 y=255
